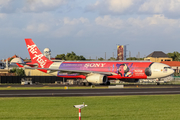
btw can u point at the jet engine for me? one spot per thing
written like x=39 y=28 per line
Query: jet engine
x=97 y=78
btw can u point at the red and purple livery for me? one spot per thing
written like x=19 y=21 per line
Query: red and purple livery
x=96 y=72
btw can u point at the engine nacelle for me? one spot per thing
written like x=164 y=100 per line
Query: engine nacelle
x=97 y=78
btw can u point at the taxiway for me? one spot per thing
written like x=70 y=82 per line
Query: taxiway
x=88 y=92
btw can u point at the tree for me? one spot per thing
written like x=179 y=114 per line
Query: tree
x=61 y=56
x=175 y=56
x=134 y=58
x=82 y=57
x=18 y=72
x=100 y=58
x=70 y=56
x=112 y=58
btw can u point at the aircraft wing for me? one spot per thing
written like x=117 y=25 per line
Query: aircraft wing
x=29 y=64
x=82 y=72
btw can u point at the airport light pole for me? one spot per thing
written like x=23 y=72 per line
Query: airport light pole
x=125 y=51
x=79 y=113
x=80 y=107
x=113 y=53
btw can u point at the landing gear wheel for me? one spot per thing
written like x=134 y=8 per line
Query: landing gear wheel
x=157 y=83
x=82 y=84
x=78 y=83
x=107 y=83
x=87 y=84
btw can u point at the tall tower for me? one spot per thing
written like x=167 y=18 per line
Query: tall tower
x=121 y=52
x=47 y=53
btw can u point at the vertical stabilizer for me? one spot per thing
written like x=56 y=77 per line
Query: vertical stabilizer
x=36 y=55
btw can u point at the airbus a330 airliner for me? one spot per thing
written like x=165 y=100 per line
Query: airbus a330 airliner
x=96 y=72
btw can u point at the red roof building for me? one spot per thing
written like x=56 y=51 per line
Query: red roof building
x=173 y=64
x=15 y=56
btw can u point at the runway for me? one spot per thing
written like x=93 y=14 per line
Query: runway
x=88 y=92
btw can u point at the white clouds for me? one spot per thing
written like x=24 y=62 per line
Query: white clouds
x=42 y=5
x=162 y=20
x=158 y=23
x=38 y=22
x=174 y=5
x=44 y=22
x=119 y=5
x=2 y=15
x=154 y=6
x=37 y=28
x=4 y=2
x=70 y=27
x=160 y=6
x=75 y=21
x=109 y=22
x=7 y=6
x=80 y=33
x=12 y=6
x=62 y=32
x=110 y=6
x=169 y=8
x=137 y=23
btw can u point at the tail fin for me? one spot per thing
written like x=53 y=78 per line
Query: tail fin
x=36 y=55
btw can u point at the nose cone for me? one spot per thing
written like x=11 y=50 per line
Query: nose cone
x=171 y=71
x=160 y=70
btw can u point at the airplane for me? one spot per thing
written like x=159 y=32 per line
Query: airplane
x=96 y=72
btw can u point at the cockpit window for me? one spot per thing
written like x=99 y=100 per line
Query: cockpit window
x=148 y=71
x=167 y=67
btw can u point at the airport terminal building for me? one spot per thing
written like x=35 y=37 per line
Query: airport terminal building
x=158 y=56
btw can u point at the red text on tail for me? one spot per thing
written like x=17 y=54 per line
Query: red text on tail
x=36 y=55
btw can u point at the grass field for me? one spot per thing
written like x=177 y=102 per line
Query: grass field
x=154 y=107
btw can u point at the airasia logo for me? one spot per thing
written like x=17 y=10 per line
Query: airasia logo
x=87 y=65
x=33 y=50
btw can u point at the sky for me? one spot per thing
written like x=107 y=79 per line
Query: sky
x=91 y=28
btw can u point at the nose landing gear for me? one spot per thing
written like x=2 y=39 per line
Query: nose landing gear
x=157 y=81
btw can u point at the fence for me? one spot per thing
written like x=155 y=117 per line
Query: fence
x=53 y=79
x=35 y=79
